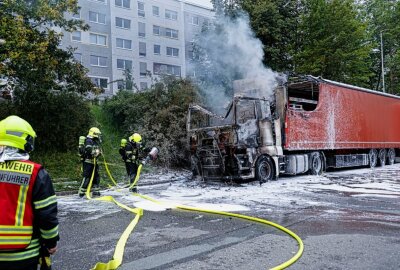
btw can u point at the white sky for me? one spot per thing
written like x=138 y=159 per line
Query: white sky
x=206 y=3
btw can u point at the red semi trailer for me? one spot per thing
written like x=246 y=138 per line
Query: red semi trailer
x=307 y=125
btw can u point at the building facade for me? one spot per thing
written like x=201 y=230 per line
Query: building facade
x=141 y=39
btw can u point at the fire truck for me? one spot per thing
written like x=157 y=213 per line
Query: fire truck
x=306 y=124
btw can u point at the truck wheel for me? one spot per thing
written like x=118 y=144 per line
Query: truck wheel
x=316 y=163
x=265 y=169
x=391 y=156
x=382 y=157
x=373 y=158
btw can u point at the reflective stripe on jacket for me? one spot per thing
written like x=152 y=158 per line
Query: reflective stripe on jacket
x=17 y=179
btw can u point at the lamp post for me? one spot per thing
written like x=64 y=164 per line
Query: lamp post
x=383 y=69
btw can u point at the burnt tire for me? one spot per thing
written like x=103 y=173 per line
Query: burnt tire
x=373 y=158
x=391 y=156
x=265 y=169
x=317 y=163
x=382 y=157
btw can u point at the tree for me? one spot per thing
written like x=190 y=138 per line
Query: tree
x=383 y=17
x=30 y=56
x=333 y=42
x=44 y=78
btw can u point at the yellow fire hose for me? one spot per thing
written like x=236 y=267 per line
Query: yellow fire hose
x=119 y=249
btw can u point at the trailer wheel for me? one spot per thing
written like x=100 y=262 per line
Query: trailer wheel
x=391 y=156
x=382 y=157
x=265 y=169
x=373 y=158
x=316 y=163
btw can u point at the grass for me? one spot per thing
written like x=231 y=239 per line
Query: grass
x=65 y=168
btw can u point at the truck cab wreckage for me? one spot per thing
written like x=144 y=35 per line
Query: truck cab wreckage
x=307 y=124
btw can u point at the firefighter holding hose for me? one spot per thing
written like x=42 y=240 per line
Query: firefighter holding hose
x=90 y=150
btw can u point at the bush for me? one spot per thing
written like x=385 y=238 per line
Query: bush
x=159 y=115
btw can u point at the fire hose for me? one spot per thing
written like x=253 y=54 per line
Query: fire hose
x=116 y=260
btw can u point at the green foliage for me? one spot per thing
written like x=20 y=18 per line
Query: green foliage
x=333 y=42
x=158 y=114
x=58 y=117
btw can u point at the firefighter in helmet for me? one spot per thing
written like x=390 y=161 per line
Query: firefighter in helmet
x=90 y=152
x=28 y=220
x=131 y=151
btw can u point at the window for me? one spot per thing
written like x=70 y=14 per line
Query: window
x=123 y=3
x=143 y=69
x=122 y=23
x=100 y=82
x=143 y=85
x=103 y=1
x=171 y=15
x=124 y=43
x=171 y=33
x=98 y=39
x=97 y=17
x=121 y=85
x=195 y=20
x=98 y=61
x=157 y=49
x=77 y=15
x=172 y=51
x=156 y=30
x=142 y=29
x=159 y=68
x=76 y=36
x=78 y=57
x=140 y=7
x=142 y=49
x=156 y=11
x=124 y=64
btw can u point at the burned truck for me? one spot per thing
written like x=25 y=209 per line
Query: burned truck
x=308 y=124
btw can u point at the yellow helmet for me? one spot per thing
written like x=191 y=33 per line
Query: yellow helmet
x=16 y=132
x=94 y=132
x=135 y=138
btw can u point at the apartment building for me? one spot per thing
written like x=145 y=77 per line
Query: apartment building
x=138 y=36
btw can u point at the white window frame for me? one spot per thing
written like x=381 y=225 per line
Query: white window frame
x=122 y=4
x=145 y=49
x=141 y=12
x=171 y=31
x=140 y=69
x=97 y=35
x=100 y=78
x=159 y=30
x=172 y=52
x=97 y=17
x=73 y=37
x=79 y=14
x=141 y=34
x=98 y=60
x=171 y=15
x=192 y=20
x=124 y=61
x=76 y=55
x=158 y=11
x=123 y=43
x=124 y=22
x=159 y=49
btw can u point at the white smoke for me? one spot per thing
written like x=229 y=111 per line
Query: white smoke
x=229 y=51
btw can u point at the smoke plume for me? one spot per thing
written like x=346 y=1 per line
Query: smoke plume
x=227 y=51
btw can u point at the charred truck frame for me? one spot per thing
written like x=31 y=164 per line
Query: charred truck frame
x=309 y=124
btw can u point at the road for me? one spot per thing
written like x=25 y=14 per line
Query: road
x=347 y=219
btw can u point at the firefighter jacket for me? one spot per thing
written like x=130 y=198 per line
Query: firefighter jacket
x=92 y=149
x=28 y=211
x=132 y=152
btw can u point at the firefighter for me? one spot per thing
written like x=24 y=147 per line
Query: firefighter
x=28 y=219
x=91 y=151
x=131 y=151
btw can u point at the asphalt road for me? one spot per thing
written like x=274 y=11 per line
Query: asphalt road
x=346 y=219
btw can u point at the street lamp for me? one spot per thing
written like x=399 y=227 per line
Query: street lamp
x=383 y=68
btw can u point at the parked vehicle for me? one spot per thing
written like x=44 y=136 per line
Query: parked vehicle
x=308 y=124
